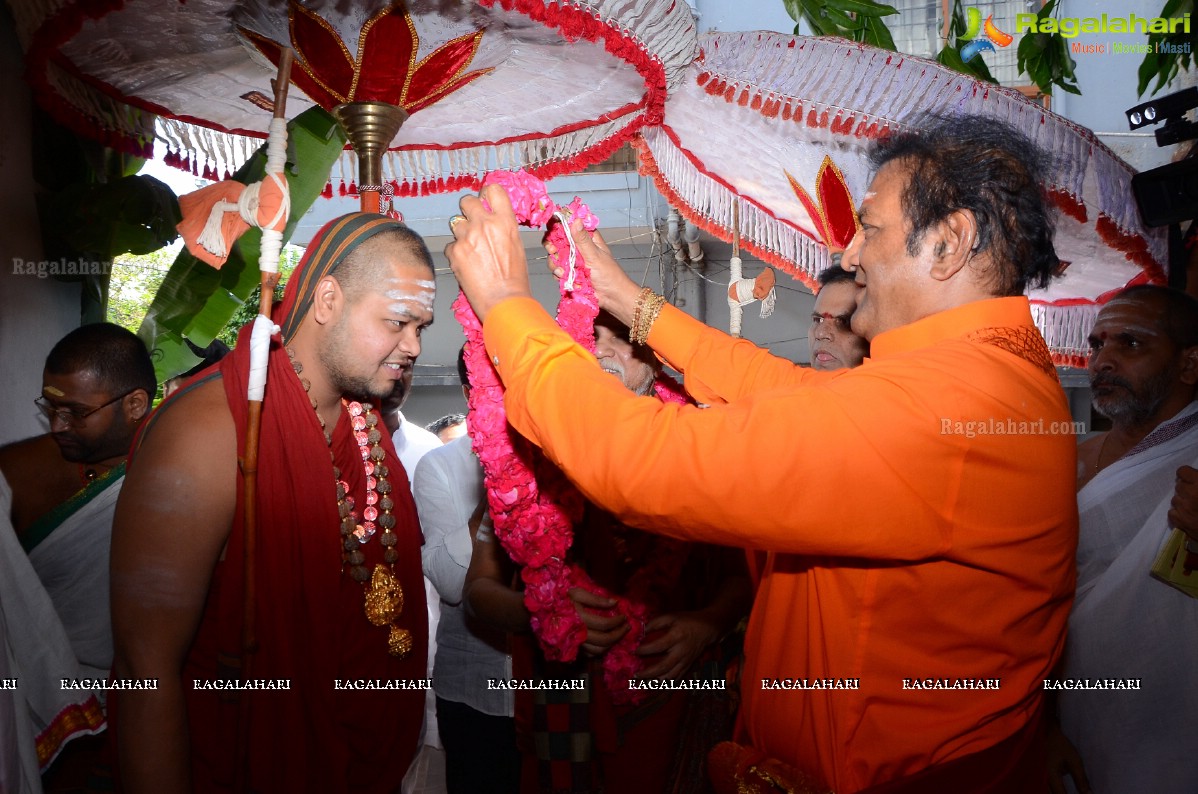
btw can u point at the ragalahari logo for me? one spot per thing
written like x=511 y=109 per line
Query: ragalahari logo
x=990 y=35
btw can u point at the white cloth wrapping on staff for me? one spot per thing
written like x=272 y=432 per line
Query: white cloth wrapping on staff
x=1127 y=624
x=38 y=653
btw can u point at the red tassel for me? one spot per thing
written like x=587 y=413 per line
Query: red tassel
x=703 y=78
x=327 y=192
x=1068 y=205
x=353 y=188
x=756 y=103
x=786 y=111
x=341 y=191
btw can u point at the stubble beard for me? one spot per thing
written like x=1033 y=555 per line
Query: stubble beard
x=337 y=349
x=1132 y=408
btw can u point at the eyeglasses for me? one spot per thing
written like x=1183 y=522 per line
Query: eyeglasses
x=73 y=416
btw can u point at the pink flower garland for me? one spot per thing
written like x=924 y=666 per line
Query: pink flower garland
x=533 y=506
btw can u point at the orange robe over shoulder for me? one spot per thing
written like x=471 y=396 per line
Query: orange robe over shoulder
x=919 y=511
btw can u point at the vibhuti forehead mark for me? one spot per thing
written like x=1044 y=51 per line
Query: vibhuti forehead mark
x=1115 y=315
x=423 y=299
x=53 y=392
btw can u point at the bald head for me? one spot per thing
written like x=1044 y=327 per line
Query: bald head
x=369 y=264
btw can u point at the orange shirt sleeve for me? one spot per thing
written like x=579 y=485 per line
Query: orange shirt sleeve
x=781 y=469
x=718 y=368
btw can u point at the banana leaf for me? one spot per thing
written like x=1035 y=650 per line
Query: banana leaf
x=196 y=300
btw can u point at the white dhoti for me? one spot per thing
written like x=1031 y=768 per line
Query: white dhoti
x=38 y=621
x=1126 y=624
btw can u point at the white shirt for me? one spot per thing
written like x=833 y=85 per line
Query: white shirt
x=447 y=488
x=412 y=442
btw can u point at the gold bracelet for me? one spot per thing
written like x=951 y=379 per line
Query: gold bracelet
x=636 y=315
x=646 y=317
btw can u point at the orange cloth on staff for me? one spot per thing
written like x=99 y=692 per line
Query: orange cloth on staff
x=903 y=548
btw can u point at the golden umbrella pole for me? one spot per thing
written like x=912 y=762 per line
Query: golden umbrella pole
x=370 y=127
x=260 y=351
x=734 y=266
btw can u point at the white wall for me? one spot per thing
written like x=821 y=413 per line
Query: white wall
x=34 y=312
x=742 y=15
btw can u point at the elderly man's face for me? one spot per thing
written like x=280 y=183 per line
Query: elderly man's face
x=892 y=282
x=1134 y=366
x=617 y=356
x=831 y=339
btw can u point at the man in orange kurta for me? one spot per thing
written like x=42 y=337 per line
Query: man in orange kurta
x=940 y=587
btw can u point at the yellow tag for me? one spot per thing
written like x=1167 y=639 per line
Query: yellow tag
x=1170 y=565
x=53 y=392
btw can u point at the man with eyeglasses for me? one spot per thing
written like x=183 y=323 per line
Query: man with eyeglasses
x=97 y=386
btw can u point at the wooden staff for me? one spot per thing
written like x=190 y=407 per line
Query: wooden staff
x=249 y=462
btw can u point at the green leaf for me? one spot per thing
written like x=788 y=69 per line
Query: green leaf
x=951 y=57
x=878 y=35
x=196 y=300
x=1168 y=55
x=841 y=19
x=1149 y=69
x=866 y=8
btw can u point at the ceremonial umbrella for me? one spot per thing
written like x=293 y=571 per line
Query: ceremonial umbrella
x=774 y=129
x=477 y=86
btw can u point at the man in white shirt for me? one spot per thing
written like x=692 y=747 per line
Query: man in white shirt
x=476 y=725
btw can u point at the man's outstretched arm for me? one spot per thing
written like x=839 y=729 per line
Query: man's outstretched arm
x=171 y=523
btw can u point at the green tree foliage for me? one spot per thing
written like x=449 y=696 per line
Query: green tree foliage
x=93 y=207
x=858 y=20
x=1045 y=58
x=950 y=55
x=246 y=312
x=197 y=301
x=1171 y=52
x=135 y=280
x=132 y=283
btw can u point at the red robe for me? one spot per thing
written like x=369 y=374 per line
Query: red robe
x=310 y=621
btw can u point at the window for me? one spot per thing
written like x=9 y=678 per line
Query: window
x=916 y=30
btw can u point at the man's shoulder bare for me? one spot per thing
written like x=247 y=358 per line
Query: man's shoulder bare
x=29 y=454
x=198 y=418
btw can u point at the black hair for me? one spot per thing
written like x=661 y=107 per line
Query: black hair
x=1179 y=315
x=116 y=356
x=447 y=421
x=214 y=352
x=987 y=166
x=463 y=375
x=834 y=275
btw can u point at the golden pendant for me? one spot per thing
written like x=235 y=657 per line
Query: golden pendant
x=384 y=599
x=399 y=642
